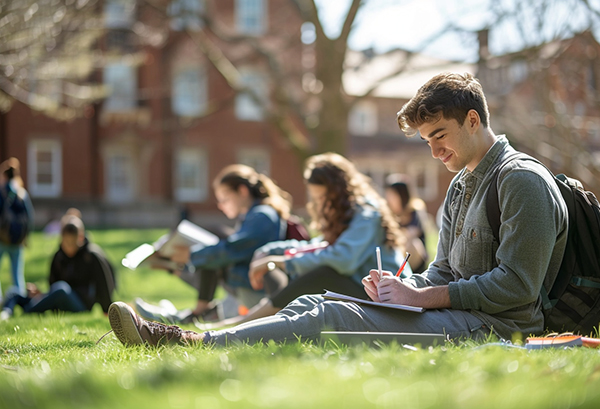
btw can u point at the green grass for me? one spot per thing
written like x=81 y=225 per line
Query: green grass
x=53 y=361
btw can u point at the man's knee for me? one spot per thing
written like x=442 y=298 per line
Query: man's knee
x=308 y=300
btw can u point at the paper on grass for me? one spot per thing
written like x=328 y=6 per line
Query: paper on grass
x=330 y=295
x=158 y=254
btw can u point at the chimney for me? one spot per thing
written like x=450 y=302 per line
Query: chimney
x=483 y=37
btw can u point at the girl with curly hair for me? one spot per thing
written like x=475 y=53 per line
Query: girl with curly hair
x=352 y=219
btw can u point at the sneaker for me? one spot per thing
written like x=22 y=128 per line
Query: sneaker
x=131 y=329
x=155 y=312
x=164 y=312
x=5 y=314
x=167 y=306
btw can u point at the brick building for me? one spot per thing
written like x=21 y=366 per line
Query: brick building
x=377 y=146
x=547 y=100
x=171 y=122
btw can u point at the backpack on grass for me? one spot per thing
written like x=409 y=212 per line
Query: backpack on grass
x=573 y=302
x=14 y=219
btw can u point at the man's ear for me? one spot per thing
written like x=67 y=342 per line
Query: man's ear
x=473 y=121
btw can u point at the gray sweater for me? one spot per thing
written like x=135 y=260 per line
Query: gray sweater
x=500 y=283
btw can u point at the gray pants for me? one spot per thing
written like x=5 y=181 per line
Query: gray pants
x=305 y=318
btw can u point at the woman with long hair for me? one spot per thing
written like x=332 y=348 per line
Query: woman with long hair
x=261 y=209
x=352 y=220
x=17 y=220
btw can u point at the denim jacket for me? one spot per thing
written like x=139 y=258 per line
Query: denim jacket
x=259 y=226
x=500 y=283
x=353 y=253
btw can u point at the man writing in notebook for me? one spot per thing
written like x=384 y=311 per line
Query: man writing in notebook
x=475 y=286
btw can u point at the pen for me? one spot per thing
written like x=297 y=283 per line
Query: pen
x=403 y=265
x=378 y=251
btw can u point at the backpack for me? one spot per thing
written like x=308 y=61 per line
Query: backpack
x=14 y=218
x=573 y=302
x=295 y=229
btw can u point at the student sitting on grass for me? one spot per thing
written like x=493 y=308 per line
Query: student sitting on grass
x=475 y=286
x=80 y=276
x=352 y=219
x=411 y=214
x=261 y=209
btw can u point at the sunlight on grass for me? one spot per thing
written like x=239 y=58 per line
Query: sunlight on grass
x=53 y=361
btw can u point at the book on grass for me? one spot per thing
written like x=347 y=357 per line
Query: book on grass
x=159 y=253
x=370 y=338
x=330 y=295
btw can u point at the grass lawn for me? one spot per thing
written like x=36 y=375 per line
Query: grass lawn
x=53 y=361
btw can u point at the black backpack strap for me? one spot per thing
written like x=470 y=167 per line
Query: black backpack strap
x=493 y=206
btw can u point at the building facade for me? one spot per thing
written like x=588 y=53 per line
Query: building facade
x=148 y=153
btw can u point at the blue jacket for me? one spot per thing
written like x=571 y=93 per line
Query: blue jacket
x=353 y=253
x=11 y=189
x=259 y=226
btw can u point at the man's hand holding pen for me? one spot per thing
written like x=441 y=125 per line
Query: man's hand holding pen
x=390 y=289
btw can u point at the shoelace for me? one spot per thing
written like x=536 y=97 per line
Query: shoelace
x=161 y=330
x=102 y=337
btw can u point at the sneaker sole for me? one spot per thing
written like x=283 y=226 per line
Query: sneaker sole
x=123 y=324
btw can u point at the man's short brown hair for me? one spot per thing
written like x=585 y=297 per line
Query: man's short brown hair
x=446 y=95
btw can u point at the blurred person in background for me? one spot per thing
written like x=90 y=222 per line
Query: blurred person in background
x=16 y=221
x=411 y=213
x=262 y=210
x=352 y=220
x=80 y=276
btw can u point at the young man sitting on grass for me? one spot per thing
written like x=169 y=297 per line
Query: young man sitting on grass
x=80 y=276
x=475 y=286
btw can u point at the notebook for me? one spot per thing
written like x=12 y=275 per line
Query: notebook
x=370 y=338
x=330 y=295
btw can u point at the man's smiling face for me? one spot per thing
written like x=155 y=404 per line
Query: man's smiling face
x=451 y=143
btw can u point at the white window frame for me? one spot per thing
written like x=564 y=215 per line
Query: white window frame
x=119 y=13
x=36 y=189
x=124 y=83
x=189 y=98
x=251 y=16
x=246 y=108
x=186 y=14
x=198 y=159
x=362 y=120
x=430 y=171
x=117 y=194
x=257 y=158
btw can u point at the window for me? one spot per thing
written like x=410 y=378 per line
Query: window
x=518 y=71
x=363 y=119
x=424 y=173
x=120 y=176
x=44 y=171
x=247 y=108
x=119 y=13
x=189 y=92
x=257 y=158
x=251 y=16
x=186 y=14
x=121 y=80
x=191 y=175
